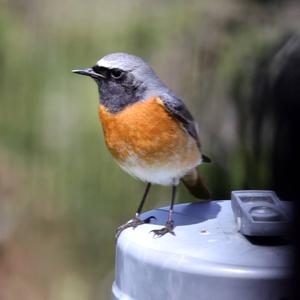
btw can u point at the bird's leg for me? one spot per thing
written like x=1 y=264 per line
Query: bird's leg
x=170 y=223
x=135 y=221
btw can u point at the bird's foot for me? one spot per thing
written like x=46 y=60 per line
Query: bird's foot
x=134 y=222
x=167 y=229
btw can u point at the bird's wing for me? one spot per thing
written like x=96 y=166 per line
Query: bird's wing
x=179 y=111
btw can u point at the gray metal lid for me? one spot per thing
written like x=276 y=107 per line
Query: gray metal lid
x=206 y=257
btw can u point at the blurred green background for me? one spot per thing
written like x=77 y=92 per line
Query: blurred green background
x=61 y=193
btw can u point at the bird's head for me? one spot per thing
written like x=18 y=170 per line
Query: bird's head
x=123 y=79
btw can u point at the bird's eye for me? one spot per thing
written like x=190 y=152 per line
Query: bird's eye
x=116 y=73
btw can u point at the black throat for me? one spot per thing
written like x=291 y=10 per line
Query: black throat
x=115 y=96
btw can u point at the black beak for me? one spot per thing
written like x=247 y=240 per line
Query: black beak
x=89 y=72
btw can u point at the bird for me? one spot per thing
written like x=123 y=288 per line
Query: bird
x=149 y=131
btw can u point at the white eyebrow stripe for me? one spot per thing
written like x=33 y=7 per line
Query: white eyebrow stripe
x=120 y=64
x=104 y=63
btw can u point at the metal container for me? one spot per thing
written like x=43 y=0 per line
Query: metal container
x=207 y=259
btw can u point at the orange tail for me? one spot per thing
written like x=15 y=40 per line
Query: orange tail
x=194 y=183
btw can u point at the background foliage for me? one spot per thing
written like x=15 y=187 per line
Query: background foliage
x=61 y=194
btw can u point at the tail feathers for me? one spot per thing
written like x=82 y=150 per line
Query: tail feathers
x=206 y=159
x=194 y=183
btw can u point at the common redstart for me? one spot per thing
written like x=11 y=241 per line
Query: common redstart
x=148 y=130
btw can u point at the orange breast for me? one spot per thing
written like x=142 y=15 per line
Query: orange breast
x=147 y=131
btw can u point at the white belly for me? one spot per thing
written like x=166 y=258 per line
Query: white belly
x=168 y=174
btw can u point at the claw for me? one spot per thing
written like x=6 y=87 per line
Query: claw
x=167 y=229
x=134 y=222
